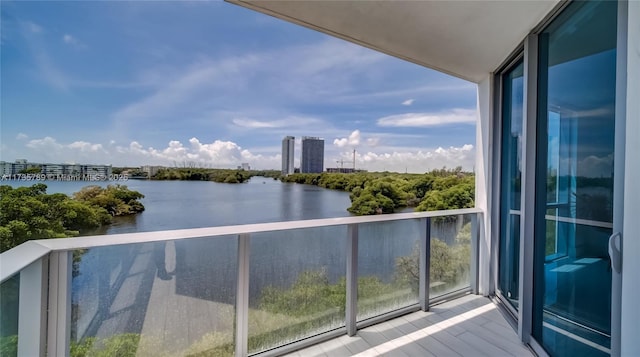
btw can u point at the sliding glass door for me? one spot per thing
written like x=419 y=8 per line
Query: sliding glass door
x=510 y=183
x=574 y=180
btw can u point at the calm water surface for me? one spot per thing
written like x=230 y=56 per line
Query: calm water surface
x=195 y=204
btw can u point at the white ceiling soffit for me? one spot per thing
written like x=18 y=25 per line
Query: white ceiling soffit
x=467 y=39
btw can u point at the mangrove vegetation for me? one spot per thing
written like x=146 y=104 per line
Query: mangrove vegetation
x=385 y=192
x=30 y=213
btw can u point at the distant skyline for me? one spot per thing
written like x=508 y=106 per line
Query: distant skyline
x=171 y=83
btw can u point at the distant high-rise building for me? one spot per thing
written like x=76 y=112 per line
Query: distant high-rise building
x=288 y=145
x=312 y=155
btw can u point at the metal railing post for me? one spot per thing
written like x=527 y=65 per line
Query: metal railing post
x=59 y=317
x=351 y=308
x=32 y=310
x=242 y=296
x=424 y=264
x=475 y=239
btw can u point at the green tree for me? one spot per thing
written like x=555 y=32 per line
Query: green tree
x=30 y=213
x=372 y=192
x=449 y=193
x=117 y=200
x=31 y=170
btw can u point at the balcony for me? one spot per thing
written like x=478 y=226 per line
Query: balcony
x=266 y=289
x=470 y=325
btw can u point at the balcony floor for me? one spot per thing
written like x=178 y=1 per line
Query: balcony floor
x=468 y=326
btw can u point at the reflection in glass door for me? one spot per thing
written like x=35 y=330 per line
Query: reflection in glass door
x=574 y=175
x=510 y=183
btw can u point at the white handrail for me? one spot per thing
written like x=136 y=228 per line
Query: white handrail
x=18 y=258
x=14 y=260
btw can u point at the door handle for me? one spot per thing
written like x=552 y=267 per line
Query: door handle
x=615 y=251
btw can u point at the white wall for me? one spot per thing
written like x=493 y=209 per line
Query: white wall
x=631 y=231
x=483 y=181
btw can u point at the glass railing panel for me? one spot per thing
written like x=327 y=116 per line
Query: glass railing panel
x=9 y=304
x=388 y=276
x=450 y=264
x=296 y=286
x=171 y=298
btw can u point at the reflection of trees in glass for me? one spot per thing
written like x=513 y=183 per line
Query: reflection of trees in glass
x=308 y=306
x=311 y=293
x=595 y=207
x=134 y=344
x=313 y=304
x=593 y=198
x=550 y=241
x=124 y=345
x=449 y=264
x=9 y=292
x=9 y=345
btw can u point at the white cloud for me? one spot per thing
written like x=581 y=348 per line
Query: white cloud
x=228 y=154
x=408 y=102
x=414 y=161
x=52 y=73
x=256 y=124
x=49 y=72
x=84 y=146
x=44 y=144
x=594 y=166
x=429 y=119
x=597 y=112
x=71 y=40
x=49 y=149
x=333 y=55
x=189 y=90
x=447 y=91
x=352 y=140
x=33 y=27
x=220 y=154
x=22 y=136
x=290 y=121
x=373 y=141
x=310 y=73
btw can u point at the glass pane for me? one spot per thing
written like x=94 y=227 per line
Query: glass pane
x=387 y=267
x=450 y=254
x=511 y=171
x=572 y=299
x=9 y=303
x=297 y=285
x=510 y=260
x=512 y=135
x=155 y=299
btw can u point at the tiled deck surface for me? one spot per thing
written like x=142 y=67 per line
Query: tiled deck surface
x=468 y=326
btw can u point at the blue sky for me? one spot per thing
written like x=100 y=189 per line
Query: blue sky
x=214 y=84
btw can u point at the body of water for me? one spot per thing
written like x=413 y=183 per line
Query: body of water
x=196 y=204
